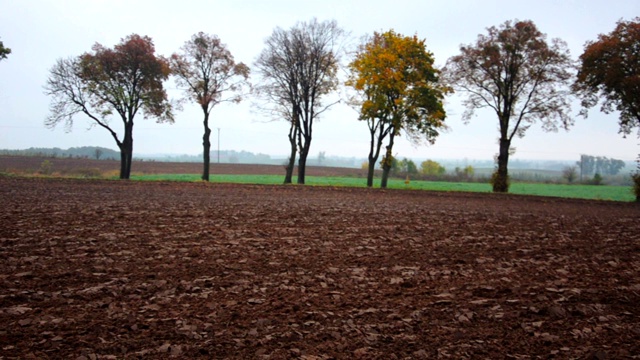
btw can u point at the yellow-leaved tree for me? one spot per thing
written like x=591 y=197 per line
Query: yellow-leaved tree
x=397 y=89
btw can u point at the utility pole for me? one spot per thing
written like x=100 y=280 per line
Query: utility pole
x=218 y=145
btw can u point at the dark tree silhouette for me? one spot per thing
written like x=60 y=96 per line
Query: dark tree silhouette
x=299 y=69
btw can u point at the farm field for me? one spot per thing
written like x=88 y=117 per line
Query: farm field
x=97 y=269
x=274 y=174
x=74 y=166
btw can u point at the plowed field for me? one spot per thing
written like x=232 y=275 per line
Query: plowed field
x=124 y=270
x=32 y=164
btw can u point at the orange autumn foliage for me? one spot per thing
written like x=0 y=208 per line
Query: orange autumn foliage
x=397 y=89
x=609 y=69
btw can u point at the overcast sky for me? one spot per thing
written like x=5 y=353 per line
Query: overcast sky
x=41 y=31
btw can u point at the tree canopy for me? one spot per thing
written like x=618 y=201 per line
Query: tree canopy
x=432 y=168
x=516 y=73
x=119 y=82
x=609 y=69
x=207 y=72
x=397 y=89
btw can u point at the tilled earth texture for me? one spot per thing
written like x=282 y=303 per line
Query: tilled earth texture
x=75 y=166
x=93 y=269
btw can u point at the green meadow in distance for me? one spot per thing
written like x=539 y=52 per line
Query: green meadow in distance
x=600 y=192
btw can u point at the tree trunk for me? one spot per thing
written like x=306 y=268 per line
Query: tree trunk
x=123 y=162
x=206 y=145
x=371 y=171
x=126 y=152
x=129 y=161
x=386 y=164
x=501 y=177
x=374 y=152
x=302 y=161
x=292 y=157
x=130 y=152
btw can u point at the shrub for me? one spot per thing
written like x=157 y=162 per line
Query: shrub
x=46 y=168
x=570 y=173
x=597 y=179
x=500 y=184
x=87 y=172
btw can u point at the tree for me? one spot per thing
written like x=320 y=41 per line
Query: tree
x=599 y=164
x=97 y=153
x=608 y=166
x=597 y=179
x=322 y=156
x=299 y=69
x=4 y=51
x=609 y=69
x=206 y=70
x=586 y=164
x=515 y=72
x=431 y=168
x=570 y=173
x=397 y=89
x=118 y=82
x=468 y=171
x=408 y=167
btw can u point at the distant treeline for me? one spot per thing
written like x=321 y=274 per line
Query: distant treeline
x=590 y=165
x=225 y=156
x=87 y=152
x=246 y=157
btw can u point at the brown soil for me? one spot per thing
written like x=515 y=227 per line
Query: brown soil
x=32 y=164
x=96 y=269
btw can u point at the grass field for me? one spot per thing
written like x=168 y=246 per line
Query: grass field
x=601 y=192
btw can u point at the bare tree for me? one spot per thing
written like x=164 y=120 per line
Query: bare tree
x=206 y=70
x=570 y=173
x=299 y=68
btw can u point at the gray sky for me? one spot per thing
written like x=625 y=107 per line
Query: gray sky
x=41 y=31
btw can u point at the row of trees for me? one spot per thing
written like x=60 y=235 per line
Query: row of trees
x=430 y=168
x=512 y=69
x=128 y=79
x=590 y=165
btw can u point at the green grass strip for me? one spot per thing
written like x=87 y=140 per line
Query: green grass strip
x=601 y=192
